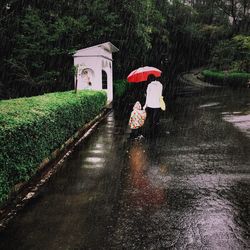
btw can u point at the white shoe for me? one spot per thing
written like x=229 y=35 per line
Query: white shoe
x=139 y=137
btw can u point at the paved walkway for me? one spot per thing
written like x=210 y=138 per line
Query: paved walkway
x=193 y=78
x=188 y=189
x=189 y=83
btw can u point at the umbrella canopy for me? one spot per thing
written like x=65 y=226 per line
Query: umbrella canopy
x=141 y=74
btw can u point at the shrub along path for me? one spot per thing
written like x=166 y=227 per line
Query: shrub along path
x=32 y=128
x=230 y=79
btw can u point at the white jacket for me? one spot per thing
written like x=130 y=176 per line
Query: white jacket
x=154 y=92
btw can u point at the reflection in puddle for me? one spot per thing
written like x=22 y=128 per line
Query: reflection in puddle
x=241 y=122
x=93 y=166
x=94 y=160
x=229 y=113
x=95 y=157
x=143 y=192
x=211 y=104
x=99 y=146
x=95 y=151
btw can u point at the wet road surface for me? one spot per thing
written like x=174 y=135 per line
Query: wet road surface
x=188 y=189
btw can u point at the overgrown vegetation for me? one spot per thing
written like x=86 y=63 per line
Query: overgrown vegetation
x=230 y=61
x=235 y=79
x=232 y=54
x=120 y=88
x=32 y=128
x=39 y=37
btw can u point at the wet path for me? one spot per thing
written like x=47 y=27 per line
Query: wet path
x=189 y=189
x=74 y=210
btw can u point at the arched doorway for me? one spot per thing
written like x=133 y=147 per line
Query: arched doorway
x=104 y=80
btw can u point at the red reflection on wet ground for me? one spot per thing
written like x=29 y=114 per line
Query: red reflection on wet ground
x=142 y=191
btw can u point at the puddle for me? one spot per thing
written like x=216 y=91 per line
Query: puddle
x=211 y=104
x=241 y=122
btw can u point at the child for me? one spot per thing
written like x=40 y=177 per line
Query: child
x=137 y=119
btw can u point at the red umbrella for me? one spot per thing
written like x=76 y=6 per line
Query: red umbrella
x=141 y=74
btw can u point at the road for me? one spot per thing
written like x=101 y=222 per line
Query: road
x=187 y=189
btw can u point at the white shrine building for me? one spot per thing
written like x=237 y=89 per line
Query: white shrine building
x=94 y=68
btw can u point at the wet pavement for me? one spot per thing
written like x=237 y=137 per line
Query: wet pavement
x=188 y=189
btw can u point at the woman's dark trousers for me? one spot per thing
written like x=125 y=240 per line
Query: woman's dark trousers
x=153 y=116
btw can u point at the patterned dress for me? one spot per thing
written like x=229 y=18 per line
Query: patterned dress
x=137 y=118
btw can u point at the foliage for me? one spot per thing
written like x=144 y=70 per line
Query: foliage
x=32 y=128
x=36 y=62
x=39 y=37
x=232 y=54
x=139 y=23
x=226 y=78
x=237 y=12
x=38 y=52
x=243 y=41
x=120 y=88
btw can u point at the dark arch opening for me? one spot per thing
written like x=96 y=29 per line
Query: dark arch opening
x=104 y=80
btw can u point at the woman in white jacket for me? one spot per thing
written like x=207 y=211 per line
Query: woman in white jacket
x=154 y=93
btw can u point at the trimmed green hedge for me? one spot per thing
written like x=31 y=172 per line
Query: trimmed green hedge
x=226 y=78
x=120 y=88
x=32 y=128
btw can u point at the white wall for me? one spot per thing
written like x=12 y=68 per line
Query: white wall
x=97 y=64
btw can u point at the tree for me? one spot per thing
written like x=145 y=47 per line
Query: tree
x=238 y=12
x=232 y=54
x=39 y=37
x=38 y=58
x=41 y=51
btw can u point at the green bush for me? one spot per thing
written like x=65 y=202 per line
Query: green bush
x=32 y=128
x=120 y=88
x=232 y=54
x=226 y=78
